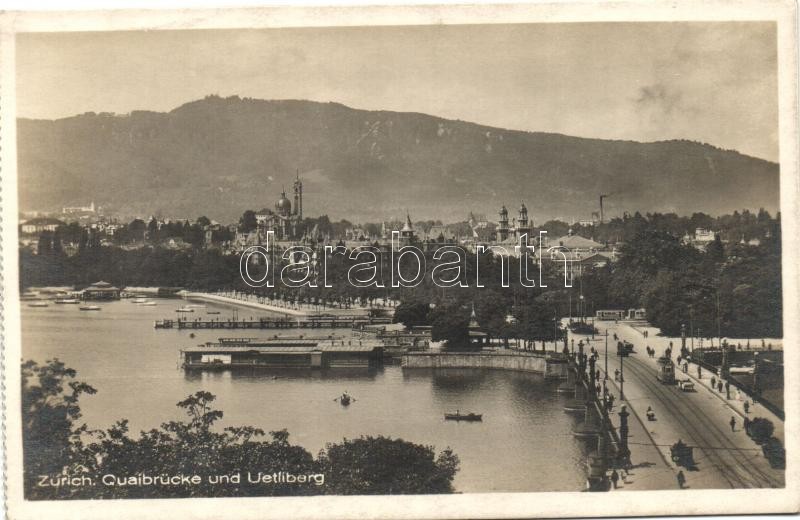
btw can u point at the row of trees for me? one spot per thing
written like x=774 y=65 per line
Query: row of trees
x=729 y=289
x=56 y=444
x=731 y=228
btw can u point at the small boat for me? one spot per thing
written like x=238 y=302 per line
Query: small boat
x=184 y=309
x=149 y=304
x=139 y=300
x=37 y=304
x=463 y=417
x=66 y=301
x=212 y=312
x=344 y=399
x=195 y=306
x=89 y=308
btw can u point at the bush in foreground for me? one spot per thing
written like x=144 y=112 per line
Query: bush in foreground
x=56 y=446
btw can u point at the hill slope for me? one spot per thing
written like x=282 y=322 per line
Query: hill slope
x=220 y=156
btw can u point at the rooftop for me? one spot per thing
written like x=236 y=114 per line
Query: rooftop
x=211 y=348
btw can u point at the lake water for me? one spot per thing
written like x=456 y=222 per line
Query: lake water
x=523 y=444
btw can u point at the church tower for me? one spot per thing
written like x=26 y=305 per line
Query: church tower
x=407 y=233
x=502 y=229
x=298 y=196
x=523 y=226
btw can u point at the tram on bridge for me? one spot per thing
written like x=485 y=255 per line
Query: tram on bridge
x=666 y=370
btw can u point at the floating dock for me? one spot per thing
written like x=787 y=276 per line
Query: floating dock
x=311 y=322
x=295 y=352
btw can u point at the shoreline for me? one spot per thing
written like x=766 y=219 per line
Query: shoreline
x=250 y=304
x=216 y=298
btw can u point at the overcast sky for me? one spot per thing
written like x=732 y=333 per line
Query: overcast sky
x=710 y=82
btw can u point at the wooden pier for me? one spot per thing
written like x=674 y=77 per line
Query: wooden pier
x=311 y=322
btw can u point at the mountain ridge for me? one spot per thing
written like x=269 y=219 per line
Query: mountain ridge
x=220 y=156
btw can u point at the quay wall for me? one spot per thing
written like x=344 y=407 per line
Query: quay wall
x=274 y=308
x=519 y=362
x=246 y=303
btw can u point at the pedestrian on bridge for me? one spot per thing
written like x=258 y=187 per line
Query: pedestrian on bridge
x=681 y=479
x=614 y=478
x=733 y=423
x=727 y=389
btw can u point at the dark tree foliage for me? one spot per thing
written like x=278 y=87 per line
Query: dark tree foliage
x=450 y=323
x=411 y=314
x=50 y=414
x=248 y=222
x=731 y=289
x=761 y=430
x=384 y=466
x=55 y=445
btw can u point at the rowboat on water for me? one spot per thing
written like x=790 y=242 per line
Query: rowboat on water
x=184 y=309
x=212 y=312
x=344 y=399
x=139 y=300
x=67 y=301
x=90 y=308
x=37 y=304
x=149 y=304
x=463 y=417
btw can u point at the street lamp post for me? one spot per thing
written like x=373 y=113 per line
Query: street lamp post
x=606 y=360
x=622 y=377
x=555 y=333
x=683 y=337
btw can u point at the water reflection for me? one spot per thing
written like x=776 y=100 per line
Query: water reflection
x=274 y=374
x=523 y=444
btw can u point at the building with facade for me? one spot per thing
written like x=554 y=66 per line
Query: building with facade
x=68 y=210
x=284 y=352
x=701 y=239
x=509 y=233
x=286 y=218
x=38 y=225
x=101 y=291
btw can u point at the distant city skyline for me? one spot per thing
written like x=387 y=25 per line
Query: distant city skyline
x=708 y=82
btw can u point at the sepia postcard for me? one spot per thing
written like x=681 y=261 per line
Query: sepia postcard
x=463 y=261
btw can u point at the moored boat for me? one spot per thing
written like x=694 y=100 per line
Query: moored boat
x=89 y=308
x=212 y=312
x=463 y=417
x=184 y=309
x=139 y=300
x=37 y=304
x=67 y=301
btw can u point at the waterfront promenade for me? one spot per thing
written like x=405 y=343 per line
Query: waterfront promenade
x=725 y=458
x=276 y=306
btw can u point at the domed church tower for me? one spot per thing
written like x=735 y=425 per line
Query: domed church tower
x=502 y=229
x=523 y=226
x=283 y=207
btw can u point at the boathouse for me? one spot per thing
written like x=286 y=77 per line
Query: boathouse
x=101 y=291
x=284 y=352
